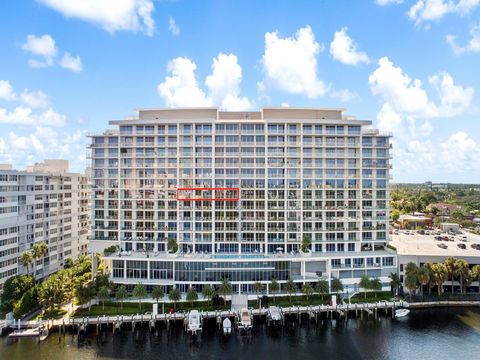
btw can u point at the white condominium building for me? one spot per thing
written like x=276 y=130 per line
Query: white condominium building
x=45 y=204
x=239 y=192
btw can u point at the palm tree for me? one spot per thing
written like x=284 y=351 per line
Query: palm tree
x=157 y=293
x=440 y=274
x=103 y=294
x=85 y=294
x=431 y=280
x=376 y=285
x=337 y=285
x=423 y=277
x=307 y=290
x=366 y=284
x=174 y=295
x=395 y=282
x=257 y=286
x=121 y=294
x=38 y=251
x=225 y=289
x=462 y=271
x=140 y=292
x=476 y=275
x=273 y=287
x=192 y=295
x=172 y=245
x=290 y=288
x=208 y=292
x=26 y=259
x=321 y=287
x=451 y=265
x=411 y=277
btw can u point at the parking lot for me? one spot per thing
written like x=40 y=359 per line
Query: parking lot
x=435 y=243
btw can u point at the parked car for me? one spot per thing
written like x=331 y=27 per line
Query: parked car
x=475 y=246
x=462 y=246
x=442 y=246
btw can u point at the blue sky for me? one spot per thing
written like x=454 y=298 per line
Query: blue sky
x=411 y=66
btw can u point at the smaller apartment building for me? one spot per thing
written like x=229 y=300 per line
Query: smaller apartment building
x=44 y=203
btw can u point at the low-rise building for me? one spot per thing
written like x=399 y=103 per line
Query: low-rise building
x=413 y=222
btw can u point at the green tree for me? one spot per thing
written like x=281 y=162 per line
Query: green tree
x=476 y=275
x=337 y=285
x=102 y=280
x=52 y=293
x=208 y=292
x=273 y=287
x=39 y=250
x=462 y=271
x=395 y=282
x=321 y=287
x=26 y=259
x=84 y=294
x=411 y=277
x=225 y=289
x=307 y=290
x=103 y=294
x=157 y=293
x=440 y=274
x=257 y=286
x=290 y=288
x=365 y=284
x=306 y=242
x=121 y=294
x=451 y=265
x=423 y=277
x=192 y=295
x=395 y=215
x=139 y=292
x=172 y=245
x=13 y=290
x=174 y=295
x=376 y=285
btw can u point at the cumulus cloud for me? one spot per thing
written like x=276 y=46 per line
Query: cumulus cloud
x=472 y=46
x=290 y=64
x=407 y=111
x=6 y=91
x=43 y=46
x=408 y=96
x=111 y=15
x=70 y=62
x=173 y=27
x=181 y=88
x=344 y=95
x=34 y=99
x=344 y=49
x=46 y=50
x=435 y=10
x=26 y=116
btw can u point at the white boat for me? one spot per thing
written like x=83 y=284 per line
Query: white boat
x=227 y=326
x=194 y=322
x=245 y=319
x=274 y=314
x=401 y=312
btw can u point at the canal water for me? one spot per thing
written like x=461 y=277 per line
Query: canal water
x=424 y=334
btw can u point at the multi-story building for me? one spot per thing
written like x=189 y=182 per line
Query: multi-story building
x=45 y=203
x=239 y=192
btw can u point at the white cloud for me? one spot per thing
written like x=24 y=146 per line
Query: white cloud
x=181 y=88
x=406 y=113
x=435 y=10
x=35 y=99
x=388 y=2
x=26 y=116
x=6 y=91
x=70 y=62
x=111 y=15
x=344 y=95
x=290 y=64
x=43 y=46
x=408 y=96
x=344 y=49
x=173 y=27
x=473 y=45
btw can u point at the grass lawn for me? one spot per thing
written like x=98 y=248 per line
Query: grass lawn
x=51 y=315
x=132 y=308
x=372 y=296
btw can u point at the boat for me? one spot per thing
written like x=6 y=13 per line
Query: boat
x=274 y=315
x=194 y=326
x=227 y=326
x=401 y=313
x=245 y=320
